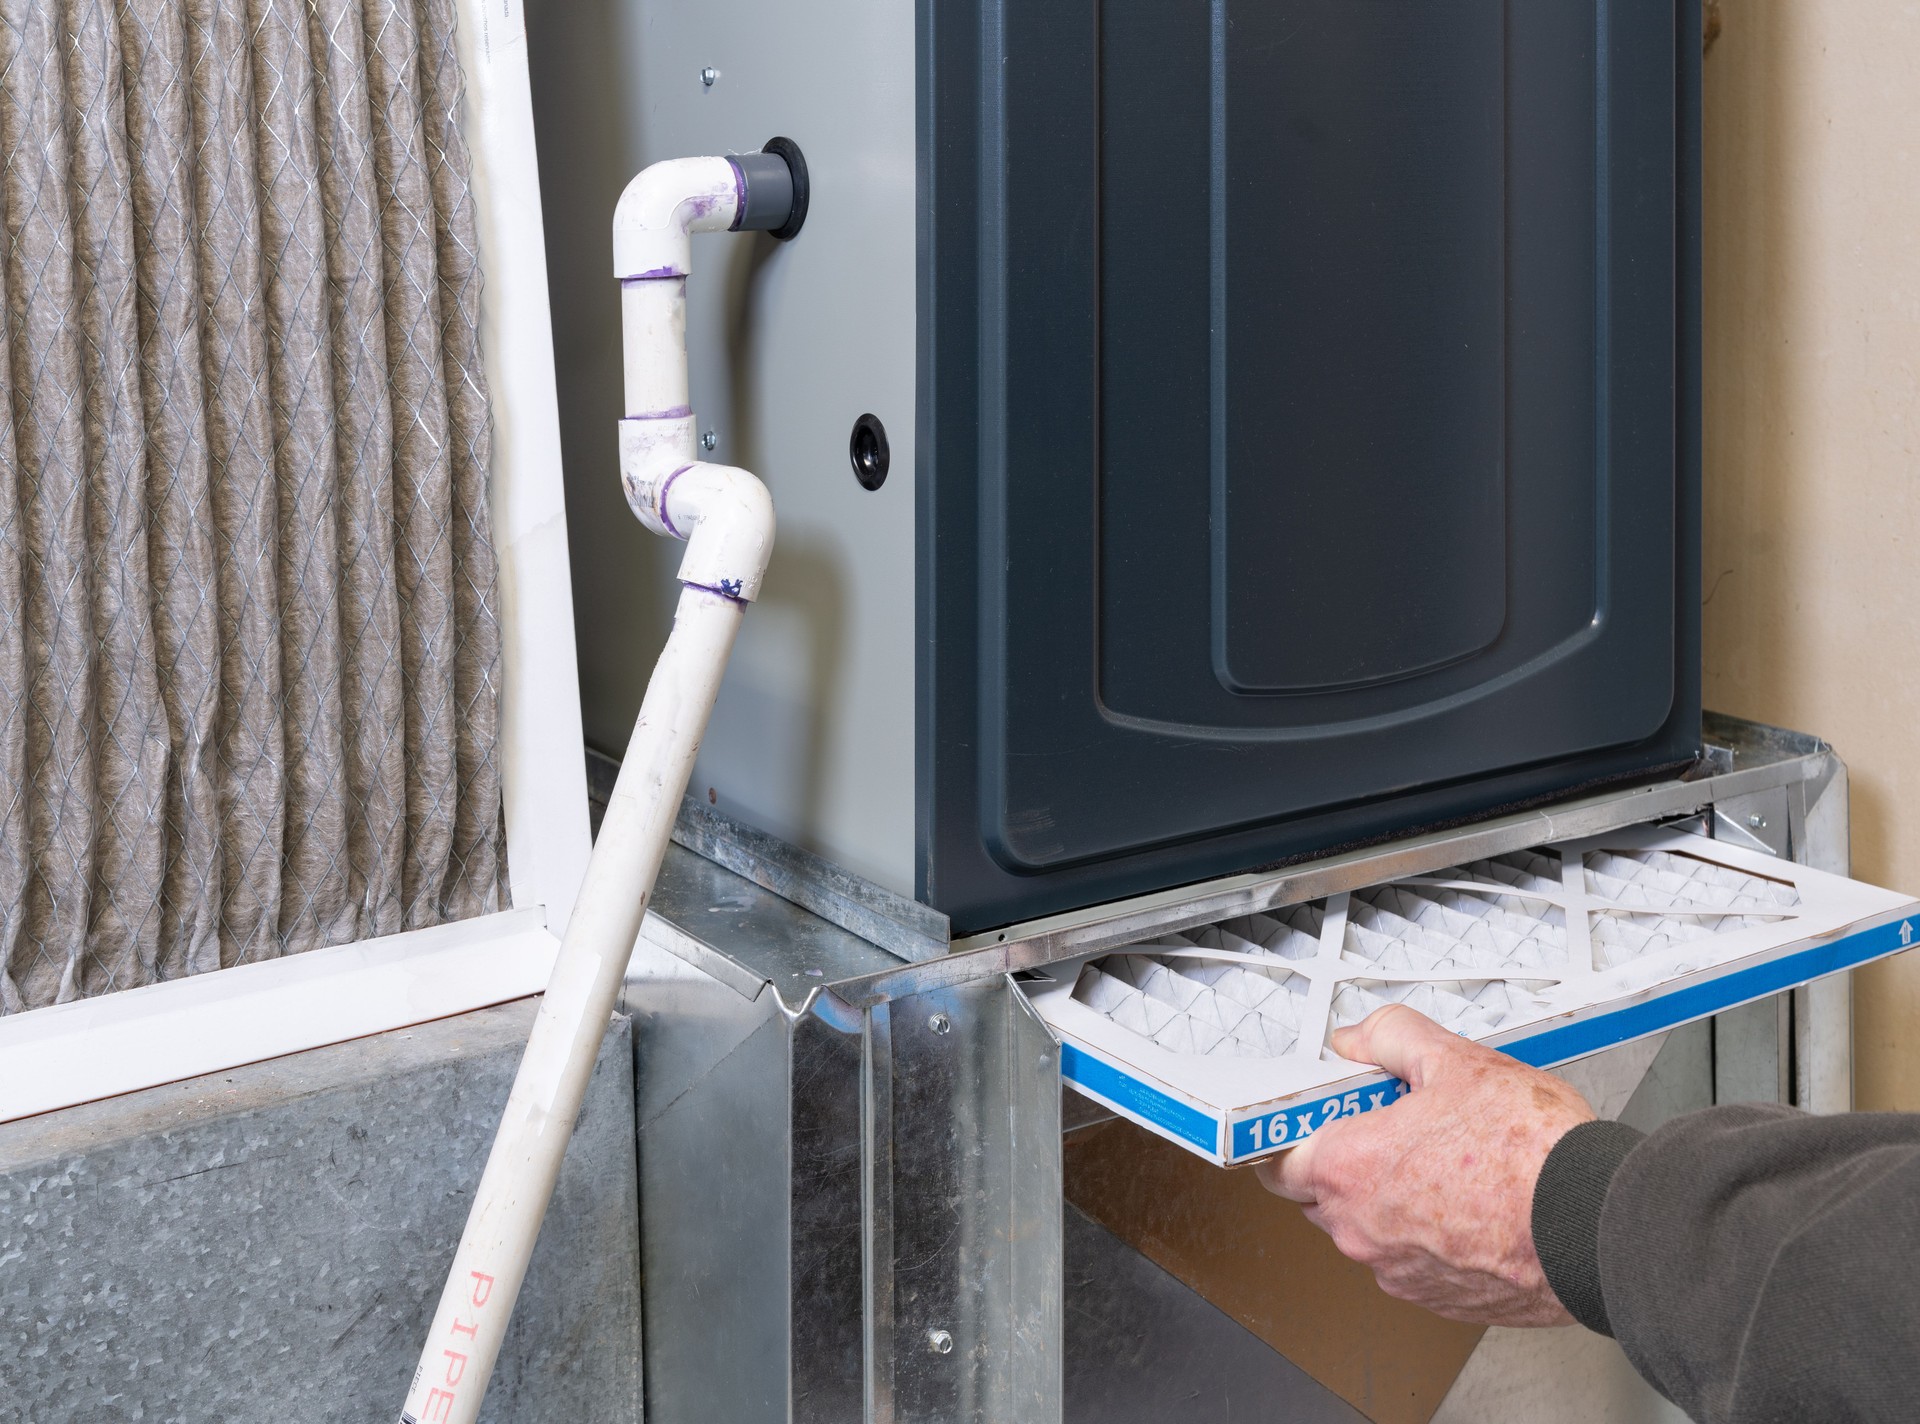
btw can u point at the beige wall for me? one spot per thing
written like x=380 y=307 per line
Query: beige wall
x=1813 y=426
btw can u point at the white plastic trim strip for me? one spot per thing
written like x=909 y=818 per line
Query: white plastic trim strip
x=543 y=766
x=140 y=1038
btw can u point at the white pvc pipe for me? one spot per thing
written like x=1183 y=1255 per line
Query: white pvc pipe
x=653 y=323
x=664 y=205
x=726 y=518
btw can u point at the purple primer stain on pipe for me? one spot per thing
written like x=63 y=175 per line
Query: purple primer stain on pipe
x=739 y=195
x=655 y=274
x=666 y=518
x=729 y=589
x=674 y=412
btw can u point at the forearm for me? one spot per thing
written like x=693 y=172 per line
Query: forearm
x=1755 y=1263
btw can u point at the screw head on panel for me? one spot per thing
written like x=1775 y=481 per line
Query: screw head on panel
x=940 y=1342
x=709 y=439
x=709 y=75
x=940 y=1023
x=1757 y=821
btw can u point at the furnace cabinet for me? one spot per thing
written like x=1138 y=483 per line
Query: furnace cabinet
x=1293 y=413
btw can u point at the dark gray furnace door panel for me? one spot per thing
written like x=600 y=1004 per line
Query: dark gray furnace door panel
x=1309 y=427
x=1357 y=197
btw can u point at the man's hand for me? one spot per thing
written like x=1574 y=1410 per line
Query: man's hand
x=1435 y=1192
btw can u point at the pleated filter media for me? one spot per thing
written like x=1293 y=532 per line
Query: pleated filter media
x=1217 y=1037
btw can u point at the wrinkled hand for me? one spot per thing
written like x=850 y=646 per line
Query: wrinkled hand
x=1435 y=1192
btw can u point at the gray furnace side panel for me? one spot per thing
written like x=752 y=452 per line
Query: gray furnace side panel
x=812 y=738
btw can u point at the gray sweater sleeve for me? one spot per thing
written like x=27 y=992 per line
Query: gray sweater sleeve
x=1755 y=1263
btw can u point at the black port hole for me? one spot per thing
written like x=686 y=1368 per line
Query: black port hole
x=867 y=448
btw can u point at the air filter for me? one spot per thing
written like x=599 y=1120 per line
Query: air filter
x=1218 y=1037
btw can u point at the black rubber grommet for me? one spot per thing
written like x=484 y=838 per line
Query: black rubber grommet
x=796 y=165
x=867 y=449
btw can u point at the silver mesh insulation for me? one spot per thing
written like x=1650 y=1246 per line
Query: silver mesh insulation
x=249 y=654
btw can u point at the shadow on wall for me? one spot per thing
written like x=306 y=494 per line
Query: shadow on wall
x=747 y=260
x=804 y=598
x=619 y=597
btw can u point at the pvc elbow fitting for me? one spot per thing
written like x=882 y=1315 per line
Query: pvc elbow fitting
x=668 y=202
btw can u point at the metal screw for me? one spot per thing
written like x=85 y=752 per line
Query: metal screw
x=709 y=75
x=708 y=440
x=940 y=1023
x=940 y=1342
x=1757 y=821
